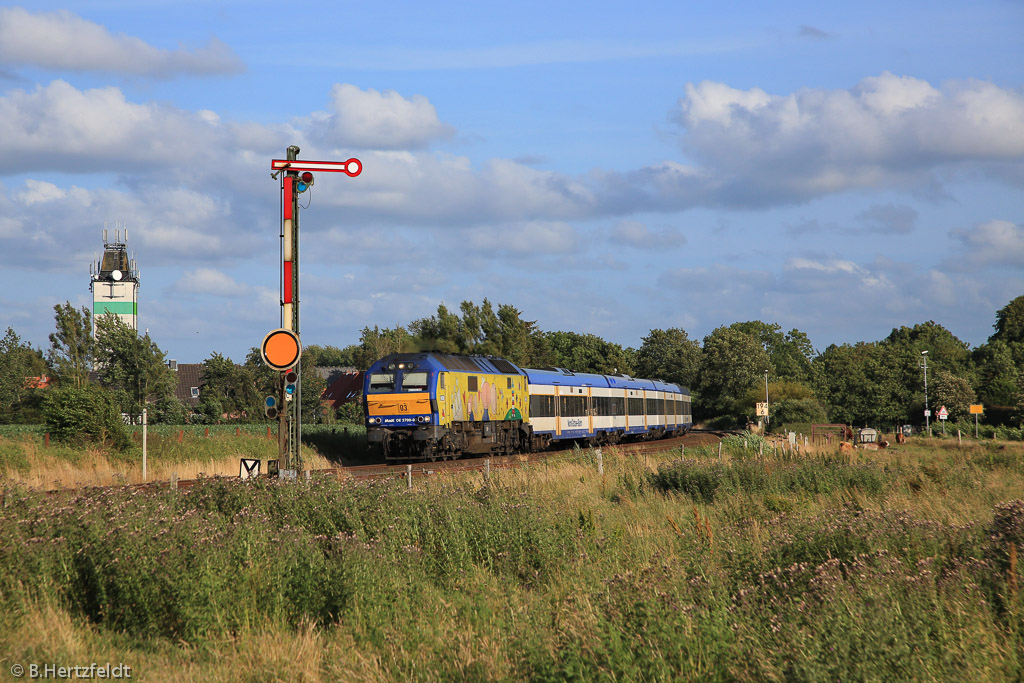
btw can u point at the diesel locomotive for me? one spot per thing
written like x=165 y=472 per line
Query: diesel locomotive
x=430 y=406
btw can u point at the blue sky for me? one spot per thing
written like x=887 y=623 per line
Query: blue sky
x=840 y=168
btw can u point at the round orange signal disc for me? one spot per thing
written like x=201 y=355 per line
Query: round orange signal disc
x=281 y=349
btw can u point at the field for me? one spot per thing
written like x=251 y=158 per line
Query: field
x=185 y=452
x=892 y=564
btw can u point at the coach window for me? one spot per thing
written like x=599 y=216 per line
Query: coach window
x=573 y=406
x=542 y=406
x=471 y=384
x=509 y=385
x=381 y=382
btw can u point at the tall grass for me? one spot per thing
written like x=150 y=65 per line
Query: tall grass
x=27 y=460
x=893 y=564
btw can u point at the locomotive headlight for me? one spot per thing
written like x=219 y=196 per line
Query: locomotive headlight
x=426 y=418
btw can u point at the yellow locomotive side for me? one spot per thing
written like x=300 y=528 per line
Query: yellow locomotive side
x=481 y=397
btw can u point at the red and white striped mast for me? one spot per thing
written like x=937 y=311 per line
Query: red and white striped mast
x=296 y=179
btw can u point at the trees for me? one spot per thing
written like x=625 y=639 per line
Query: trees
x=945 y=351
x=865 y=383
x=589 y=353
x=72 y=346
x=790 y=353
x=132 y=364
x=953 y=392
x=86 y=414
x=732 y=363
x=996 y=374
x=482 y=330
x=1009 y=323
x=789 y=402
x=330 y=356
x=313 y=386
x=376 y=343
x=227 y=389
x=18 y=362
x=669 y=355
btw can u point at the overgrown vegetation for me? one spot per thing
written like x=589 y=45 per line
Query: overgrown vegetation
x=179 y=451
x=746 y=567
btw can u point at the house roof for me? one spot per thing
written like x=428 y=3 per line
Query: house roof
x=189 y=375
x=330 y=374
x=346 y=388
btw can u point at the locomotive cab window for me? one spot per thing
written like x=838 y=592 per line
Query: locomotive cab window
x=414 y=381
x=381 y=382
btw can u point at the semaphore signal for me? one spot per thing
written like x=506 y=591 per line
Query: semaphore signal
x=281 y=349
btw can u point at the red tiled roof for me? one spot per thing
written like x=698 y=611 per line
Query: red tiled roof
x=347 y=388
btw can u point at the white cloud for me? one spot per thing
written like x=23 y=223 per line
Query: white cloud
x=530 y=238
x=368 y=119
x=773 y=148
x=637 y=234
x=62 y=40
x=211 y=282
x=54 y=227
x=58 y=127
x=995 y=243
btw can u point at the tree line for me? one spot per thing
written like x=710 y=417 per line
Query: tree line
x=875 y=383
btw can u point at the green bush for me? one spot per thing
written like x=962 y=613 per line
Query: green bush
x=84 y=415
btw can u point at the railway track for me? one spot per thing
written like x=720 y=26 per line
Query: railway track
x=696 y=437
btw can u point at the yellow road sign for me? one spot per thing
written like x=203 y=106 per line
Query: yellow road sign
x=977 y=409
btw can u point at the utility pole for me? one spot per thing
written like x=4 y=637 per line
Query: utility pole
x=927 y=413
x=767 y=415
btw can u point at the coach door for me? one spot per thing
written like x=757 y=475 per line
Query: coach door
x=558 y=413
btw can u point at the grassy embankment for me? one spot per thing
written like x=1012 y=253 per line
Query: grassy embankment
x=186 y=452
x=894 y=564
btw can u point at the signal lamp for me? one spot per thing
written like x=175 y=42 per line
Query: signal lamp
x=304 y=181
x=291 y=377
x=271 y=412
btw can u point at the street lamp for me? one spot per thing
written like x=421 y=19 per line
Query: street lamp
x=927 y=413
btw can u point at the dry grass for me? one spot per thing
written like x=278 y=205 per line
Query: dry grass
x=60 y=467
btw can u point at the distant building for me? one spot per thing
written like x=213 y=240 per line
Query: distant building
x=114 y=281
x=189 y=377
x=344 y=385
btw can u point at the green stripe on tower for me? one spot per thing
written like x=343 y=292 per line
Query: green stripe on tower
x=118 y=307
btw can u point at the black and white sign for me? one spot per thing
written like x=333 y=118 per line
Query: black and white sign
x=249 y=468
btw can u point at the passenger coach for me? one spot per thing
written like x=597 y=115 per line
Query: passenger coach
x=604 y=409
